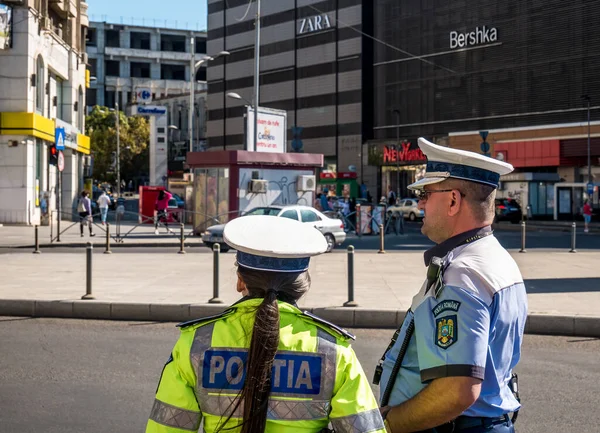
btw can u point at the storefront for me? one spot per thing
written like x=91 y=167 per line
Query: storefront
x=397 y=166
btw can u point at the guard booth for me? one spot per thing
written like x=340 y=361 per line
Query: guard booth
x=342 y=184
x=229 y=183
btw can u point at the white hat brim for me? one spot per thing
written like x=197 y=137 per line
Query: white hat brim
x=425 y=181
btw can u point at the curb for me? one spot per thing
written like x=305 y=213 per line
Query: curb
x=545 y=324
x=540 y=228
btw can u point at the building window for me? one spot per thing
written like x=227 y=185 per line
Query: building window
x=172 y=72
x=92 y=37
x=140 y=41
x=109 y=98
x=91 y=96
x=201 y=74
x=113 y=38
x=93 y=67
x=40 y=85
x=200 y=46
x=112 y=68
x=59 y=99
x=139 y=70
x=172 y=43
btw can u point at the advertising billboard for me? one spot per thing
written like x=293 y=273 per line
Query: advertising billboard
x=272 y=130
x=5 y=26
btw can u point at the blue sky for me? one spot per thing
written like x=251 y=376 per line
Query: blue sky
x=189 y=14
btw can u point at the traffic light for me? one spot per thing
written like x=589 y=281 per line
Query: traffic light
x=53 y=155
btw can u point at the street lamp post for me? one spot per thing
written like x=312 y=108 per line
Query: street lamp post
x=256 y=75
x=234 y=95
x=118 y=150
x=588 y=99
x=397 y=112
x=194 y=66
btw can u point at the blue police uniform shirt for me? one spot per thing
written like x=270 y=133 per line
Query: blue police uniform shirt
x=474 y=327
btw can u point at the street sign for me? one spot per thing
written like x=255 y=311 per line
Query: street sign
x=61 y=161
x=144 y=95
x=59 y=138
x=590 y=188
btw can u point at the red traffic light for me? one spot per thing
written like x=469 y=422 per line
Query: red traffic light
x=53 y=151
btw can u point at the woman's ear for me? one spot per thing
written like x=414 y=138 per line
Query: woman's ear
x=241 y=286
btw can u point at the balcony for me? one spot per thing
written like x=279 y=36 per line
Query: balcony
x=85 y=19
x=173 y=87
x=65 y=8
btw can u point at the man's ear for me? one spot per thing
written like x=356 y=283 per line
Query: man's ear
x=456 y=202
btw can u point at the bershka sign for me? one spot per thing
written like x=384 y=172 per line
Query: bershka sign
x=406 y=154
x=480 y=36
x=314 y=24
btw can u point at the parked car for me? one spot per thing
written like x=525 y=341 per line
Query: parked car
x=180 y=201
x=409 y=207
x=332 y=228
x=508 y=209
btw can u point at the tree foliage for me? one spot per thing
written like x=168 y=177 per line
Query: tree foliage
x=134 y=134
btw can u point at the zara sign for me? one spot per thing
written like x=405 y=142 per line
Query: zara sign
x=314 y=24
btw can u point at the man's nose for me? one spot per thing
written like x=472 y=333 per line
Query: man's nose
x=421 y=204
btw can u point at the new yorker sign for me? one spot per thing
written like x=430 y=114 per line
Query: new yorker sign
x=314 y=24
x=479 y=36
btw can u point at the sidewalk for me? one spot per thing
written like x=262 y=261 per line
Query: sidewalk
x=563 y=288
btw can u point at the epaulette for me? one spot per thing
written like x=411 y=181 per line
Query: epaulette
x=205 y=319
x=329 y=325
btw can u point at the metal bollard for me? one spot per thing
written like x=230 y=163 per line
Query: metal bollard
x=181 y=238
x=215 y=299
x=107 y=251
x=381 y=240
x=523 y=230
x=350 y=302
x=358 y=222
x=37 y=242
x=573 y=237
x=89 y=250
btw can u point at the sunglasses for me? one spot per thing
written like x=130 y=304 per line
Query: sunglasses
x=423 y=194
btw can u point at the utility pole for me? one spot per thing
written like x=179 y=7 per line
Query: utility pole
x=118 y=150
x=398 y=152
x=256 y=75
x=191 y=107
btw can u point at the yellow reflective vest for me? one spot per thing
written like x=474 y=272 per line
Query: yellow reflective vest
x=316 y=377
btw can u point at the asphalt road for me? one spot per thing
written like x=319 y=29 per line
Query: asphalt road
x=72 y=376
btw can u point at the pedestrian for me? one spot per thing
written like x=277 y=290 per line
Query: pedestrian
x=391 y=196
x=84 y=207
x=263 y=365
x=587 y=215
x=103 y=203
x=161 y=206
x=325 y=201
x=449 y=369
x=130 y=186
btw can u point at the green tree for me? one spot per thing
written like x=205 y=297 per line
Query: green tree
x=134 y=136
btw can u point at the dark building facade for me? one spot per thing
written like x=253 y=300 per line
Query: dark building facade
x=513 y=70
x=311 y=66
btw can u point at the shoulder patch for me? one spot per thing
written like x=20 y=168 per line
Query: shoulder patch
x=205 y=319
x=329 y=325
x=449 y=305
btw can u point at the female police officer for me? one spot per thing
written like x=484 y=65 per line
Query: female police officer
x=263 y=365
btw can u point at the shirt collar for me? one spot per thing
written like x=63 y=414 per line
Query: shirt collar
x=440 y=250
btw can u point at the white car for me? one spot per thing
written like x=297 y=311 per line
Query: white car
x=408 y=206
x=332 y=228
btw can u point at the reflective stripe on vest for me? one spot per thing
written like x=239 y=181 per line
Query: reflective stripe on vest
x=361 y=422
x=312 y=400
x=171 y=416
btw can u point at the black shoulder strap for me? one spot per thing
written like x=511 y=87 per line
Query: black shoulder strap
x=329 y=325
x=205 y=319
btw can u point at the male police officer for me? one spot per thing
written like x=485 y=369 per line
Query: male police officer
x=449 y=368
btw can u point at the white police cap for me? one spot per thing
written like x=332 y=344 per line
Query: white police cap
x=273 y=244
x=444 y=163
